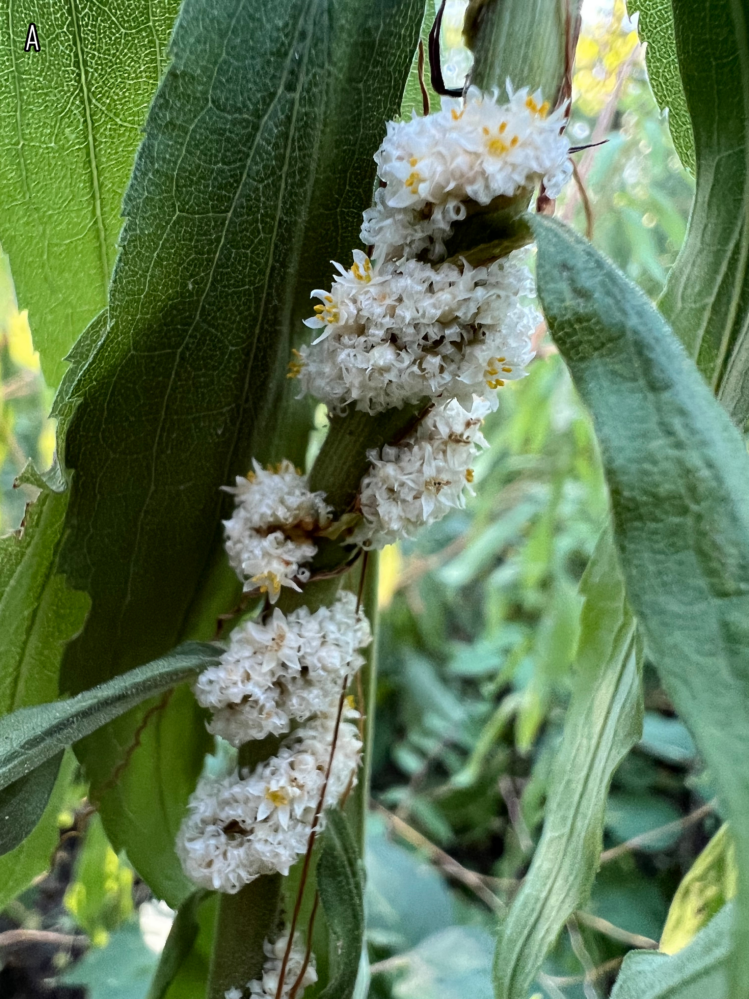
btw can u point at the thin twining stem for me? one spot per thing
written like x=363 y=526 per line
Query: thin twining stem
x=308 y=952
x=311 y=843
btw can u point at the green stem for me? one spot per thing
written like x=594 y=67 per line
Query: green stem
x=525 y=41
x=243 y=922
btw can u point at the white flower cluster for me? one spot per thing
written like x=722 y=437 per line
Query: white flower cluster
x=239 y=827
x=420 y=480
x=473 y=150
x=267 y=986
x=286 y=669
x=268 y=536
x=409 y=330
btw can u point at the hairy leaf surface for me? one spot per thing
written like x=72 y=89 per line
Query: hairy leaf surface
x=707 y=295
x=32 y=857
x=70 y=124
x=339 y=881
x=656 y=27
x=700 y=971
x=254 y=171
x=31 y=736
x=603 y=722
x=678 y=475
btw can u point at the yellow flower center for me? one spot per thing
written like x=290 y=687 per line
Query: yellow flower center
x=363 y=275
x=296 y=364
x=277 y=798
x=539 y=109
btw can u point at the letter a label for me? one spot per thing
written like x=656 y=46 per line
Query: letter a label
x=32 y=39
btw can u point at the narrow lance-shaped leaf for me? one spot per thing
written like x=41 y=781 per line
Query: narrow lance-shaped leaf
x=339 y=882
x=32 y=857
x=31 y=736
x=707 y=295
x=604 y=721
x=678 y=474
x=700 y=971
x=656 y=27
x=69 y=127
x=254 y=171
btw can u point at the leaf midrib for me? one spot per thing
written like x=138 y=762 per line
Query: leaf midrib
x=91 y=146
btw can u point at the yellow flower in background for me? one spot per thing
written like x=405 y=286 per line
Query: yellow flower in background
x=604 y=47
x=20 y=344
x=391 y=563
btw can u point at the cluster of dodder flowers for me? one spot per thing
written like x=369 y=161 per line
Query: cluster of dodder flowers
x=406 y=326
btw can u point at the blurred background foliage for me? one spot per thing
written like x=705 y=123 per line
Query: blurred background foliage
x=479 y=621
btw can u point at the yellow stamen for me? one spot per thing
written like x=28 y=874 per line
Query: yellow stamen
x=319 y=308
x=514 y=141
x=457 y=115
x=497 y=147
x=278 y=798
x=502 y=128
x=485 y=130
x=497 y=383
x=413 y=161
x=469 y=475
x=350 y=702
x=413 y=180
x=508 y=370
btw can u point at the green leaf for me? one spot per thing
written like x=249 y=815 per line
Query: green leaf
x=603 y=722
x=121 y=970
x=179 y=944
x=38 y=614
x=710 y=882
x=339 y=882
x=31 y=736
x=254 y=171
x=22 y=803
x=412 y=95
x=407 y=899
x=71 y=123
x=656 y=27
x=707 y=295
x=700 y=971
x=32 y=857
x=451 y=964
x=678 y=475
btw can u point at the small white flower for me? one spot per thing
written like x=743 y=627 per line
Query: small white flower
x=476 y=150
x=413 y=331
x=267 y=538
x=233 y=994
x=420 y=480
x=239 y=827
x=289 y=668
x=267 y=986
